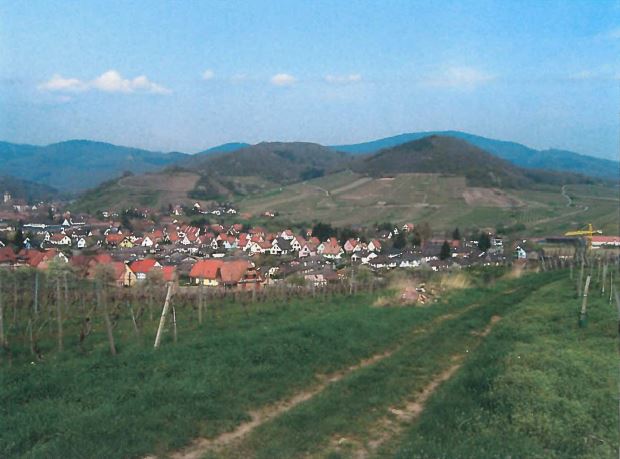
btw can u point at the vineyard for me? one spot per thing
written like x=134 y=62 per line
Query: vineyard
x=298 y=372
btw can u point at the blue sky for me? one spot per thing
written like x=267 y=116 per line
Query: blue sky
x=187 y=75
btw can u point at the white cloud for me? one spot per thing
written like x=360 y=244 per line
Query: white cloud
x=283 y=79
x=343 y=79
x=110 y=81
x=460 y=77
x=58 y=83
x=208 y=74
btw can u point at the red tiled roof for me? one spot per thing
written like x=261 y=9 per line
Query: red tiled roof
x=156 y=235
x=103 y=258
x=143 y=266
x=206 y=269
x=7 y=255
x=233 y=271
x=114 y=238
x=80 y=261
x=606 y=239
x=169 y=273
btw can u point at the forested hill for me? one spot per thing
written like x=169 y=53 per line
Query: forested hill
x=280 y=162
x=516 y=153
x=76 y=165
x=453 y=156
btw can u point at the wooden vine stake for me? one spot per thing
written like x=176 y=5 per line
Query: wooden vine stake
x=59 y=316
x=133 y=319
x=604 y=279
x=618 y=305
x=174 y=323
x=583 y=317
x=200 y=301
x=2 y=338
x=162 y=320
x=580 y=281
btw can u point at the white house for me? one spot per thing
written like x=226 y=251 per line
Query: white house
x=520 y=254
x=147 y=242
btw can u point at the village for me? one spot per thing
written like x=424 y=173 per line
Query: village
x=183 y=246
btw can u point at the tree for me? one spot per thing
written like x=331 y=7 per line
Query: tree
x=456 y=235
x=425 y=231
x=386 y=226
x=400 y=241
x=416 y=239
x=18 y=239
x=347 y=233
x=445 y=251
x=323 y=231
x=125 y=221
x=484 y=241
x=296 y=280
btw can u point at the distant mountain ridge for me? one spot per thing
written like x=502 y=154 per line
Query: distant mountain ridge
x=453 y=156
x=269 y=166
x=76 y=165
x=516 y=153
x=225 y=148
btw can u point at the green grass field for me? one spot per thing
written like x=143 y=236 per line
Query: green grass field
x=535 y=363
x=538 y=387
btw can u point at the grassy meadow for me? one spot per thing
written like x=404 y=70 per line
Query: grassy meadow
x=83 y=402
x=538 y=387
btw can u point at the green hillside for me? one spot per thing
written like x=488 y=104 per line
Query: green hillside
x=273 y=162
x=444 y=201
x=26 y=190
x=444 y=181
x=154 y=190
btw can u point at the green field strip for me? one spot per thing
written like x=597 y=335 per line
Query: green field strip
x=140 y=402
x=350 y=406
x=539 y=387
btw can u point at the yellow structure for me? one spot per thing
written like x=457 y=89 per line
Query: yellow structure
x=126 y=243
x=587 y=234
